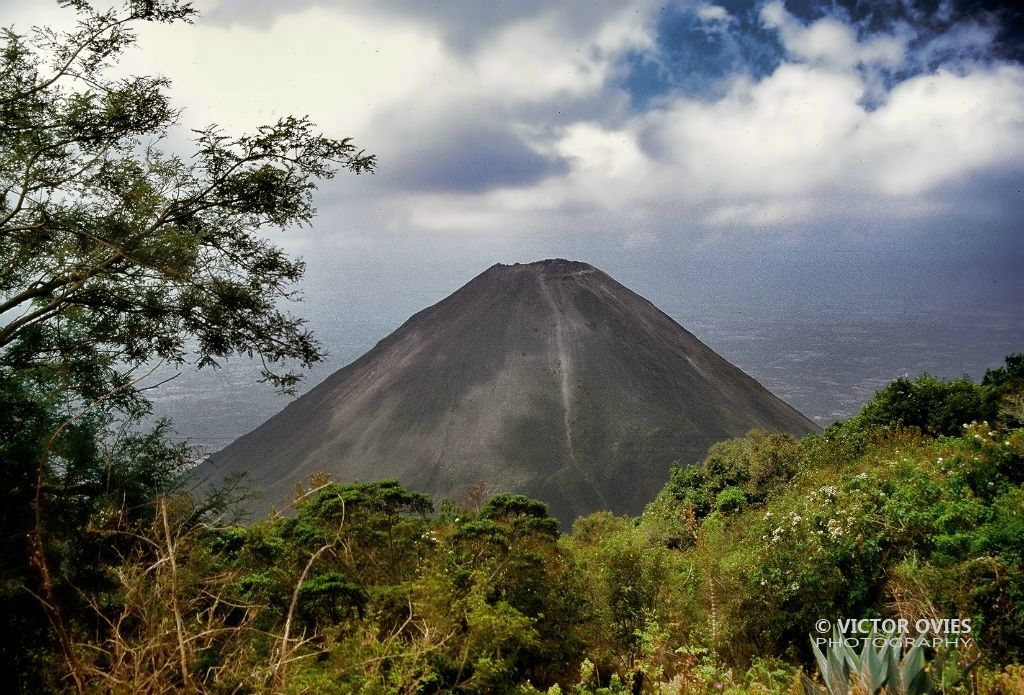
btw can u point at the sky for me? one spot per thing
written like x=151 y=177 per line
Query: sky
x=784 y=161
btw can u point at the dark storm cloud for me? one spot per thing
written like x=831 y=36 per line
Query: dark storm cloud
x=467 y=159
x=463 y=23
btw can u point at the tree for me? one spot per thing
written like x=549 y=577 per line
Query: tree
x=1003 y=390
x=116 y=255
x=934 y=406
x=746 y=469
x=115 y=252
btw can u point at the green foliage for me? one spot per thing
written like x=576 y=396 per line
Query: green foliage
x=380 y=522
x=843 y=668
x=524 y=515
x=862 y=520
x=730 y=500
x=934 y=406
x=630 y=583
x=1004 y=391
x=752 y=467
x=118 y=257
x=362 y=590
x=874 y=518
x=387 y=599
x=884 y=666
x=329 y=598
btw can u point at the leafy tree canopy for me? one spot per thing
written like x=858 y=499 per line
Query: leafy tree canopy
x=932 y=405
x=118 y=252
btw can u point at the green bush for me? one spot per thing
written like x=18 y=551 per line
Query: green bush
x=929 y=404
x=731 y=500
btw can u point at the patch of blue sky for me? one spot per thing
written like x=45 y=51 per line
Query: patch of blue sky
x=697 y=56
x=698 y=53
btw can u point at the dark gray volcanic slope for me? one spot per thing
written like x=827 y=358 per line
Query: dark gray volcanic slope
x=549 y=379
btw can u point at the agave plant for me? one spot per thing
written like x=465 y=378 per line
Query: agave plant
x=844 y=671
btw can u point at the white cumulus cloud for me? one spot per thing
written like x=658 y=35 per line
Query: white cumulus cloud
x=712 y=13
x=830 y=41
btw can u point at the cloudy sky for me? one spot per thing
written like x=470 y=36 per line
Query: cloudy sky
x=648 y=125
x=720 y=158
x=629 y=128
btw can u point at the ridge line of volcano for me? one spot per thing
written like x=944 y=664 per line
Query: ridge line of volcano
x=563 y=362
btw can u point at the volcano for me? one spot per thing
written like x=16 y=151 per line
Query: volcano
x=548 y=379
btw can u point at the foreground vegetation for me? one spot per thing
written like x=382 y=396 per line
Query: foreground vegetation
x=907 y=511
